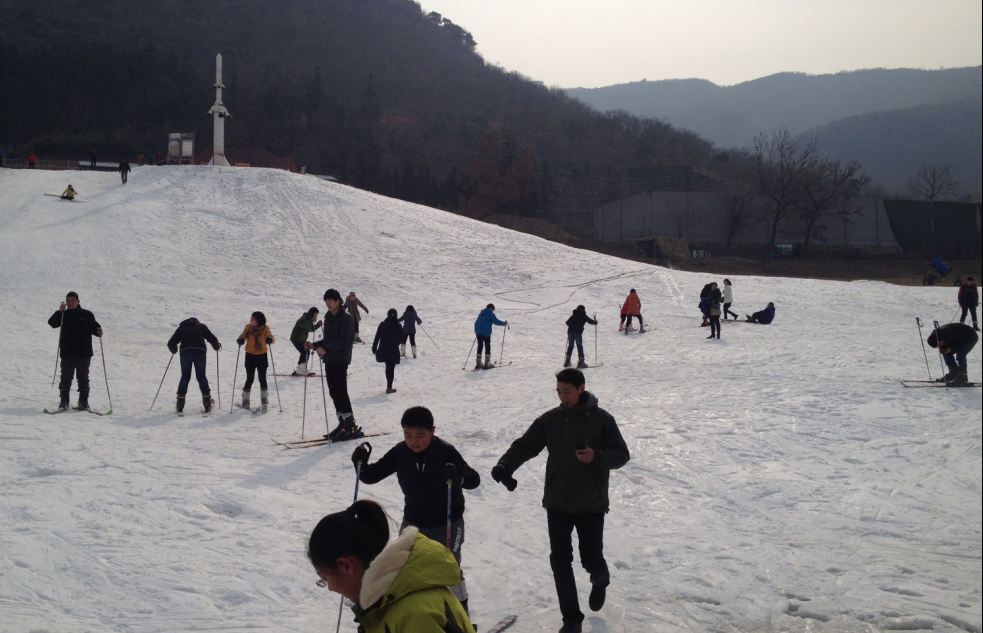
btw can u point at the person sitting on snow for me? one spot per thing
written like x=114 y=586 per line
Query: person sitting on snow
x=69 y=194
x=764 y=317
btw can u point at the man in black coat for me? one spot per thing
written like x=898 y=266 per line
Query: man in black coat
x=191 y=335
x=954 y=341
x=78 y=326
x=335 y=350
x=969 y=298
x=424 y=465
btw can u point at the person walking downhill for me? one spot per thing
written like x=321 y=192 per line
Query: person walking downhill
x=385 y=346
x=257 y=337
x=191 y=335
x=352 y=304
x=728 y=299
x=969 y=298
x=482 y=331
x=124 y=170
x=632 y=307
x=335 y=350
x=78 y=326
x=713 y=310
x=424 y=464
x=584 y=445
x=398 y=587
x=575 y=335
x=409 y=320
x=306 y=324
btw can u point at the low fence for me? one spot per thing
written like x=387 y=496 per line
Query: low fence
x=59 y=164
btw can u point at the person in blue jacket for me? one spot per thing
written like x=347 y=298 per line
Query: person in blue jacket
x=764 y=317
x=409 y=320
x=482 y=331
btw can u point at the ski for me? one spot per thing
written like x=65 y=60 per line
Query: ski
x=56 y=411
x=300 y=375
x=932 y=383
x=492 y=367
x=503 y=624
x=57 y=195
x=319 y=441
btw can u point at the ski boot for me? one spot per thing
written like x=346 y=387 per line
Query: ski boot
x=206 y=401
x=264 y=400
x=83 y=404
x=245 y=400
x=300 y=371
x=581 y=364
x=477 y=363
x=488 y=363
x=63 y=401
x=180 y=403
x=413 y=348
x=960 y=379
x=402 y=350
x=947 y=377
x=566 y=362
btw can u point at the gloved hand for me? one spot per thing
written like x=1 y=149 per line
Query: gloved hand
x=269 y=340
x=502 y=476
x=99 y=333
x=452 y=474
x=361 y=454
x=240 y=341
x=218 y=347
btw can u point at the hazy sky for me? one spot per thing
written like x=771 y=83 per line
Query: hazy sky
x=590 y=43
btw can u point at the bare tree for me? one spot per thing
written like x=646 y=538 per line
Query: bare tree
x=781 y=164
x=738 y=204
x=828 y=188
x=932 y=182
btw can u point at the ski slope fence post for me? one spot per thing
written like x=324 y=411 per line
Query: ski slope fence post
x=938 y=342
x=435 y=342
x=105 y=374
x=275 y=385
x=235 y=373
x=470 y=349
x=921 y=340
x=161 y=382
x=501 y=352
x=58 y=349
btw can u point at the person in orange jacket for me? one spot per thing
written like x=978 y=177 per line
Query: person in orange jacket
x=633 y=308
x=257 y=337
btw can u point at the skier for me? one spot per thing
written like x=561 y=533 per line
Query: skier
x=632 y=307
x=352 y=304
x=425 y=465
x=954 y=341
x=191 y=335
x=306 y=324
x=124 y=170
x=257 y=336
x=409 y=320
x=728 y=299
x=385 y=346
x=575 y=334
x=713 y=310
x=69 y=193
x=335 y=350
x=482 y=331
x=763 y=317
x=78 y=326
x=398 y=587
x=969 y=298
x=584 y=445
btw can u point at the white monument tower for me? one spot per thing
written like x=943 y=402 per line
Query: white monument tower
x=219 y=114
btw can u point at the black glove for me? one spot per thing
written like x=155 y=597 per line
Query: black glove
x=269 y=340
x=503 y=477
x=452 y=474
x=99 y=333
x=240 y=341
x=218 y=347
x=361 y=454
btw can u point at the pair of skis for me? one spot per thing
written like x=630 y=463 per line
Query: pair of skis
x=92 y=411
x=319 y=441
x=935 y=383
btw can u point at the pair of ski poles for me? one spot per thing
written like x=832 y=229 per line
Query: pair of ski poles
x=102 y=354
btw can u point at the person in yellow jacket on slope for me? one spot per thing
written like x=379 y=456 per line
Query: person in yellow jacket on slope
x=257 y=337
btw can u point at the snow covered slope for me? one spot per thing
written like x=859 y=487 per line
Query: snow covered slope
x=781 y=478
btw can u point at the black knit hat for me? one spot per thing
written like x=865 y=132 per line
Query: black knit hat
x=260 y=318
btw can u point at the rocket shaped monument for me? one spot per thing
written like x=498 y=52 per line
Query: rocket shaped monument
x=219 y=114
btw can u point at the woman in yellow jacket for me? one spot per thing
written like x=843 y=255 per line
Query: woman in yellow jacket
x=257 y=337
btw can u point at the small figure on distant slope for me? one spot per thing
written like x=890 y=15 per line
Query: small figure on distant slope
x=352 y=304
x=969 y=298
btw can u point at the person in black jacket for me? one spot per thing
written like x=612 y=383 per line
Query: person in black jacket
x=713 y=310
x=425 y=466
x=584 y=446
x=575 y=334
x=969 y=298
x=335 y=350
x=386 y=346
x=191 y=335
x=78 y=326
x=954 y=341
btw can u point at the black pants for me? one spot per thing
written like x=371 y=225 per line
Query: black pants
x=715 y=325
x=628 y=322
x=411 y=336
x=590 y=537
x=77 y=366
x=336 y=376
x=193 y=358
x=390 y=373
x=255 y=364
x=971 y=310
x=727 y=311
x=486 y=341
x=955 y=360
x=302 y=360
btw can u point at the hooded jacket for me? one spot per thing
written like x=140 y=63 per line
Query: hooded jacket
x=406 y=589
x=192 y=334
x=483 y=324
x=633 y=304
x=302 y=328
x=571 y=486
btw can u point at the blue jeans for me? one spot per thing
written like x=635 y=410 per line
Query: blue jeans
x=578 y=338
x=189 y=358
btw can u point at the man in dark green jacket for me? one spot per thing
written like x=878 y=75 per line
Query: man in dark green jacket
x=584 y=445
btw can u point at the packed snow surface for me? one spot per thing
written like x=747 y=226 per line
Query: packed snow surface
x=781 y=479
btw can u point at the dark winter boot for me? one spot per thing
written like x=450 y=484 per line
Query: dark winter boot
x=960 y=379
x=206 y=401
x=488 y=363
x=180 y=403
x=264 y=399
x=597 y=595
x=581 y=364
x=245 y=400
x=346 y=429
x=477 y=362
x=83 y=401
x=63 y=400
x=949 y=376
x=566 y=361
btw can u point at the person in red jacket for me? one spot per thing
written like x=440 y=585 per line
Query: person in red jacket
x=633 y=308
x=969 y=298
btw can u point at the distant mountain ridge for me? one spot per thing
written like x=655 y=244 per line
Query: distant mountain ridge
x=731 y=116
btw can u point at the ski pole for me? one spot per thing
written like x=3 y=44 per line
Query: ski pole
x=235 y=372
x=58 y=349
x=105 y=374
x=435 y=342
x=595 y=339
x=307 y=371
x=466 y=358
x=161 y=382
x=324 y=401
x=918 y=322
x=502 y=352
x=275 y=385
x=218 y=383
x=358 y=473
x=449 y=482
x=938 y=341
